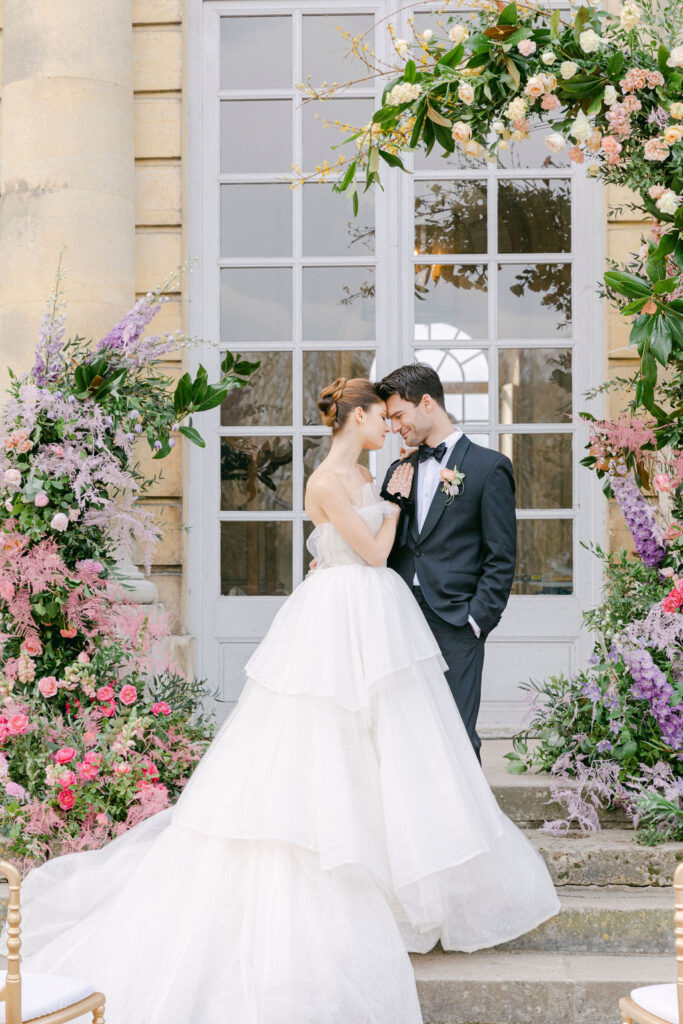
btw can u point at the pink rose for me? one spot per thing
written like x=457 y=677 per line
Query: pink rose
x=64 y=755
x=550 y=102
x=160 y=708
x=576 y=154
x=89 y=737
x=57 y=449
x=12 y=477
x=93 y=758
x=41 y=499
x=121 y=768
x=18 y=724
x=663 y=482
x=101 y=818
x=526 y=47
x=108 y=710
x=448 y=475
x=128 y=694
x=59 y=522
x=83 y=658
x=32 y=646
x=70 y=632
x=66 y=799
x=105 y=693
x=68 y=778
x=4 y=729
x=656 y=191
x=48 y=686
x=87 y=771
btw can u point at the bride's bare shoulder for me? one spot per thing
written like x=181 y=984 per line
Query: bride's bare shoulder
x=323 y=488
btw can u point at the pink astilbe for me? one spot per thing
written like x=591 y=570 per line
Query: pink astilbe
x=93 y=836
x=149 y=801
x=595 y=787
x=625 y=434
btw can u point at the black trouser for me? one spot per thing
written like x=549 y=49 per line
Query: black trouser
x=464 y=654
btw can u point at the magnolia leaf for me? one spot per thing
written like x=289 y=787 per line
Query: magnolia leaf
x=508 y=16
x=193 y=435
x=661 y=341
x=513 y=71
x=438 y=118
x=627 y=284
x=555 y=25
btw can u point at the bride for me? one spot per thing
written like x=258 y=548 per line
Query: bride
x=338 y=820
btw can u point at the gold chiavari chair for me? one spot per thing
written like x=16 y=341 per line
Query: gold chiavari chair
x=661 y=1004
x=39 y=998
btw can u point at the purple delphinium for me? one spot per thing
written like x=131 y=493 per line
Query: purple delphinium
x=639 y=518
x=128 y=330
x=650 y=684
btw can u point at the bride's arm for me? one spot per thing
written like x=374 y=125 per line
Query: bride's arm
x=334 y=502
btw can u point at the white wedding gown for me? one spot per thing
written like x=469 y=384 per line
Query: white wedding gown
x=338 y=820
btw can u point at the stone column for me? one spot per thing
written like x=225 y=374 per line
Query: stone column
x=66 y=168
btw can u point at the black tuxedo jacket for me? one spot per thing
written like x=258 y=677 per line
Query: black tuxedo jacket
x=466 y=552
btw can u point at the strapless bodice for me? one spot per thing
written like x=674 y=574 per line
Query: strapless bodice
x=330 y=549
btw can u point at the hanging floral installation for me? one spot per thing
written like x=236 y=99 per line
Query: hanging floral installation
x=97 y=729
x=606 y=89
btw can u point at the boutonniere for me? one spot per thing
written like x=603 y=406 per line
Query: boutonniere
x=451 y=482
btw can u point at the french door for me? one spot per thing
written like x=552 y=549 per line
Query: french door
x=485 y=271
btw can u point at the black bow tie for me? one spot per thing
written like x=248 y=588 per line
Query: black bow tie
x=425 y=452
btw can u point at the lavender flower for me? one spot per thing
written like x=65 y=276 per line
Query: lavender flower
x=658 y=116
x=639 y=518
x=603 y=745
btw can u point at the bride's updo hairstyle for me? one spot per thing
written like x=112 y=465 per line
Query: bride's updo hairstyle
x=337 y=401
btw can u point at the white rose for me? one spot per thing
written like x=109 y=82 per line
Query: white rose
x=676 y=57
x=548 y=57
x=568 y=69
x=629 y=16
x=555 y=142
x=461 y=132
x=466 y=93
x=401 y=47
x=404 y=92
x=669 y=202
x=611 y=95
x=581 y=129
x=594 y=3
x=589 y=40
x=498 y=127
x=59 y=522
x=428 y=35
x=458 y=33
x=473 y=148
x=516 y=109
x=12 y=477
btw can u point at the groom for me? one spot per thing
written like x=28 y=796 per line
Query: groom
x=456 y=551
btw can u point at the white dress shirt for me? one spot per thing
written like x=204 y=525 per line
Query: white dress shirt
x=428 y=480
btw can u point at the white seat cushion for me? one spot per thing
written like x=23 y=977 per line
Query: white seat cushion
x=660 y=1000
x=45 y=993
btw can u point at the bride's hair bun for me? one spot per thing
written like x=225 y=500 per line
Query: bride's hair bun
x=329 y=400
x=337 y=401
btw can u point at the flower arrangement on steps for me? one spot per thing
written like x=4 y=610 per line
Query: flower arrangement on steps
x=97 y=732
x=607 y=88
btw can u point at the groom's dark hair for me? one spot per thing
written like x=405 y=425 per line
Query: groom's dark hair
x=411 y=382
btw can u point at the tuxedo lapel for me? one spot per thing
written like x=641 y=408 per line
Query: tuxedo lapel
x=440 y=498
x=413 y=497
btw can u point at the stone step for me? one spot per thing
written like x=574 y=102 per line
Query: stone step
x=613 y=919
x=531 y=988
x=612 y=857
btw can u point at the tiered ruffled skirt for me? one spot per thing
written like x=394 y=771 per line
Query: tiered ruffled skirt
x=338 y=819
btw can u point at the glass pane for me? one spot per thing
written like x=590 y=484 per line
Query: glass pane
x=256 y=474
x=322 y=368
x=456 y=161
x=542 y=465
x=451 y=302
x=308 y=530
x=330 y=228
x=534 y=152
x=244 y=211
x=339 y=303
x=315 y=450
x=483 y=439
x=273 y=38
x=534 y=385
x=244 y=150
x=327 y=54
x=534 y=300
x=544 y=557
x=450 y=217
x=256 y=559
x=256 y=304
x=534 y=215
x=464 y=374
x=268 y=396
x=321 y=130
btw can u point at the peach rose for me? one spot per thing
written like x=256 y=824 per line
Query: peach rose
x=534 y=87
x=32 y=646
x=655 y=149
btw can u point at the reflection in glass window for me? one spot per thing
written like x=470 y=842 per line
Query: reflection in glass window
x=321 y=368
x=533 y=152
x=256 y=474
x=244 y=211
x=339 y=303
x=450 y=217
x=330 y=228
x=542 y=466
x=545 y=562
x=245 y=151
x=534 y=385
x=464 y=374
x=273 y=35
x=256 y=559
x=534 y=215
x=534 y=300
x=256 y=305
x=451 y=302
x=268 y=396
